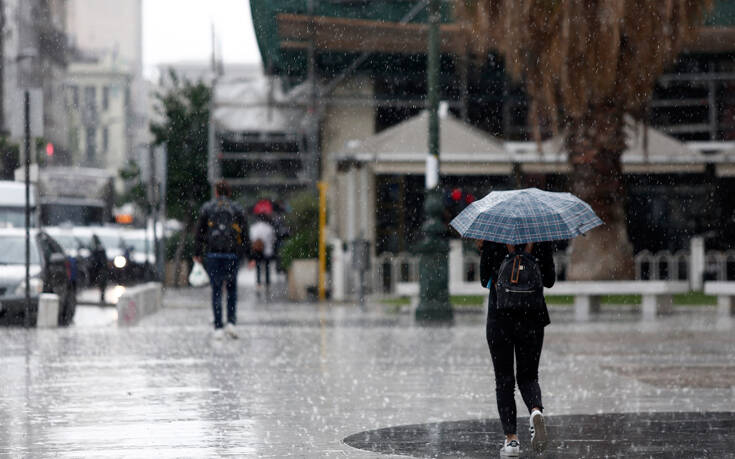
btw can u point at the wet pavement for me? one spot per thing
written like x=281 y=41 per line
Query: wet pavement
x=316 y=381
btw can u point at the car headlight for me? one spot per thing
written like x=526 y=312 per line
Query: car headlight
x=119 y=262
x=36 y=287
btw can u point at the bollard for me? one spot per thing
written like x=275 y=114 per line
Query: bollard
x=48 y=311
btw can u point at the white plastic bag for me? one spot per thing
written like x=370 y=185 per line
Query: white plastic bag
x=198 y=276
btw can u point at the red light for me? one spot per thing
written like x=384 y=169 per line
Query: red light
x=49 y=149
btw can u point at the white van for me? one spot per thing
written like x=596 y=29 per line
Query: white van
x=13 y=204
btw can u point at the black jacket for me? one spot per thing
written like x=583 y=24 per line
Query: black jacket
x=202 y=228
x=492 y=255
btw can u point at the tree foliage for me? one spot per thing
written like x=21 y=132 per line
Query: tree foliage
x=183 y=129
x=303 y=220
x=586 y=64
x=136 y=192
x=577 y=54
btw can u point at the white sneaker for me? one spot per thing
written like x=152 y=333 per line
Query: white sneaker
x=231 y=332
x=510 y=449
x=218 y=334
x=538 y=431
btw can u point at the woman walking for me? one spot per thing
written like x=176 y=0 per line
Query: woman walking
x=514 y=230
x=519 y=332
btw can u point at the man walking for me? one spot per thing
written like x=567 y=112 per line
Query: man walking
x=220 y=231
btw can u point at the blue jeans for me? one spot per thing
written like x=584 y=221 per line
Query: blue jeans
x=222 y=268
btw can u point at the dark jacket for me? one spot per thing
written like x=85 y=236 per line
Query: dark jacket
x=202 y=228
x=492 y=255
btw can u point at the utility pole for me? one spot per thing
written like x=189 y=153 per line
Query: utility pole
x=27 y=164
x=2 y=67
x=433 y=266
x=312 y=136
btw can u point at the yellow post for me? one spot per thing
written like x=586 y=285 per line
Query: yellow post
x=322 y=240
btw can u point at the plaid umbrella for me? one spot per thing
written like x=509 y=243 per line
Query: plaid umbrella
x=529 y=215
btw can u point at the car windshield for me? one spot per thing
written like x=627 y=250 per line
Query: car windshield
x=12 y=251
x=67 y=242
x=14 y=217
x=139 y=245
x=109 y=241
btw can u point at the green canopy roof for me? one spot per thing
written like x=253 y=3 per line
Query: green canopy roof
x=292 y=61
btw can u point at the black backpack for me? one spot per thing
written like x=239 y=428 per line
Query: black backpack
x=519 y=285
x=224 y=235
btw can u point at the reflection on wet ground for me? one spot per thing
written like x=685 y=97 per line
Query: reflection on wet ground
x=303 y=377
x=625 y=435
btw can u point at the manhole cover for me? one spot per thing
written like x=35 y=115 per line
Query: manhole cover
x=626 y=435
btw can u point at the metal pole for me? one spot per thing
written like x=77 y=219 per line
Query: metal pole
x=432 y=77
x=312 y=140
x=154 y=209
x=27 y=161
x=322 y=240
x=434 y=264
x=213 y=169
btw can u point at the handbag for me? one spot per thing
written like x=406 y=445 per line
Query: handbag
x=198 y=276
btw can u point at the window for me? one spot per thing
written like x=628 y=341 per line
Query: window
x=91 y=141
x=90 y=96
x=74 y=95
x=74 y=139
x=106 y=98
x=105 y=139
x=90 y=103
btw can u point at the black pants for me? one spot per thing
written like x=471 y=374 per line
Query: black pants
x=265 y=264
x=222 y=269
x=506 y=336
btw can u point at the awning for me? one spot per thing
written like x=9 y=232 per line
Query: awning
x=403 y=148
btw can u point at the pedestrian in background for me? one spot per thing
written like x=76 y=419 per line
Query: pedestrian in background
x=222 y=241
x=282 y=230
x=99 y=266
x=264 y=238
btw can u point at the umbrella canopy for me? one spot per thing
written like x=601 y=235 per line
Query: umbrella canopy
x=263 y=207
x=522 y=216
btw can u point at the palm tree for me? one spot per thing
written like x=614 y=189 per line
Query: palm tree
x=586 y=64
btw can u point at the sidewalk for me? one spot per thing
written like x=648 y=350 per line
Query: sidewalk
x=305 y=377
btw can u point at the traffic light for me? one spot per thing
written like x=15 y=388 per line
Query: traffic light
x=49 y=149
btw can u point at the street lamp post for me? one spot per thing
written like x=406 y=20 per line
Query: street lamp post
x=29 y=55
x=433 y=266
x=27 y=178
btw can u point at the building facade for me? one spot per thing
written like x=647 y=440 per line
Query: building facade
x=368 y=63
x=112 y=30
x=34 y=55
x=98 y=104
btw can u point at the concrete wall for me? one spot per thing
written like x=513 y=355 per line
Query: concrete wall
x=342 y=123
x=138 y=302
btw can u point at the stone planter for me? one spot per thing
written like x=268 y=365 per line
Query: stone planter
x=302 y=275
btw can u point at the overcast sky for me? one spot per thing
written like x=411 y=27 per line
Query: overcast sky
x=180 y=30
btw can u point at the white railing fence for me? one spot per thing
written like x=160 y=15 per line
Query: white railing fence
x=390 y=269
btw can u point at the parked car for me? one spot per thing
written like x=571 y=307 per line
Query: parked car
x=130 y=257
x=78 y=252
x=139 y=255
x=50 y=270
